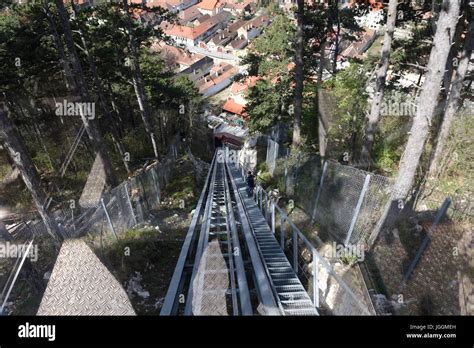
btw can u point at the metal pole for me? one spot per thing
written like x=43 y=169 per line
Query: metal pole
x=286 y=165
x=282 y=233
x=321 y=182
x=72 y=219
x=273 y=215
x=315 y=280
x=108 y=218
x=267 y=209
x=130 y=204
x=295 y=251
x=156 y=183
x=16 y=276
x=357 y=209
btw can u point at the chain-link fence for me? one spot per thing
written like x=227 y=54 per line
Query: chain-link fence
x=272 y=155
x=130 y=203
x=349 y=202
x=346 y=202
x=119 y=210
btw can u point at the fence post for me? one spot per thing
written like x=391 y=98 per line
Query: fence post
x=130 y=204
x=272 y=203
x=108 y=218
x=72 y=220
x=156 y=183
x=268 y=203
x=295 y=251
x=282 y=233
x=320 y=188
x=315 y=280
x=357 y=209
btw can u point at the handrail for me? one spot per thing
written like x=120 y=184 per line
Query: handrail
x=314 y=251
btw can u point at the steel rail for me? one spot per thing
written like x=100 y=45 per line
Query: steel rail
x=203 y=240
x=244 y=295
x=171 y=300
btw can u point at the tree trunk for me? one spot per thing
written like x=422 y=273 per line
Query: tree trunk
x=70 y=83
x=374 y=116
x=299 y=78
x=102 y=100
x=453 y=101
x=22 y=160
x=94 y=135
x=336 y=43
x=442 y=42
x=138 y=83
x=322 y=123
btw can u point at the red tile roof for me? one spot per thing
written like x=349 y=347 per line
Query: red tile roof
x=175 y=54
x=192 y=33
x=212 y=80
x=234 y=108
x=210 y=4
x=189 y=14
x=245 y=84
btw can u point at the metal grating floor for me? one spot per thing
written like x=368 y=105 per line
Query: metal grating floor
x=292 y=296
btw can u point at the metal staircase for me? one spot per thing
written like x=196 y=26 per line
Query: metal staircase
x=290 y=293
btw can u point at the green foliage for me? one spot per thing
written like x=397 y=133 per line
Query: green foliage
x=274 y=47
x=389 y=143
x=32 y=76
x=348 y=89
x=264 y=106
x=269 y=57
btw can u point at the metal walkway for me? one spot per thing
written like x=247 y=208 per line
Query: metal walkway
x=230 y=262
x=291 y=295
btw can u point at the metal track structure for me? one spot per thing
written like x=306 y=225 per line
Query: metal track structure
x=210 y=277
x=230 y=253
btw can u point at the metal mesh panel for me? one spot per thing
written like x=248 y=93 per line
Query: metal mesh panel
x=341 y=205
x=272 y=155
x=127 y=204
x=119 y=210
x=375 y=199
x=307 y=182
x=339 y=196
